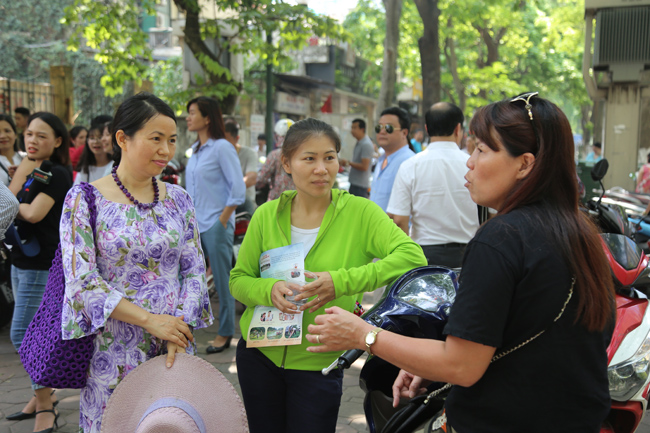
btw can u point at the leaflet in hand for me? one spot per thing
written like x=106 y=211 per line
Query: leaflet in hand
x=270 y=326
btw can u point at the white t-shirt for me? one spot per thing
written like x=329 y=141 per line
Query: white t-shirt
x=94 y=173
x=4 y=177
x=307 y=237
x=430 y=188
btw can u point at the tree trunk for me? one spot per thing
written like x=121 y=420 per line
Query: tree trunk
x=492 y=45
x=199 y=49
x=389 y=69
x=429 y=45
x=452 y=63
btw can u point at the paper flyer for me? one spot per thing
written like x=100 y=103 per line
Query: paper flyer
x=270 y=326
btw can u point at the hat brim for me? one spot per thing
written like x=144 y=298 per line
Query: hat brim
x=191 y=379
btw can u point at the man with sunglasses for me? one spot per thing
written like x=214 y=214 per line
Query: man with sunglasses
x=392 y=136
x=430 y=191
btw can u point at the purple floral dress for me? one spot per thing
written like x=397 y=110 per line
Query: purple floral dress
x=153 y=259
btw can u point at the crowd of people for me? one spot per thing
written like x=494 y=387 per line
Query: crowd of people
x=137 y=279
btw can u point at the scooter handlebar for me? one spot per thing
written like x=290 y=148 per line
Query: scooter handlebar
x=344 y=361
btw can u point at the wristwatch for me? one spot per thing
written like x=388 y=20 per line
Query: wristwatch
x=371 y=338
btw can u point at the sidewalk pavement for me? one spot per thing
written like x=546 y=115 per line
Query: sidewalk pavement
x=15 y=386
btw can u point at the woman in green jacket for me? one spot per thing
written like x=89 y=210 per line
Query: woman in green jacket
x=282 y=386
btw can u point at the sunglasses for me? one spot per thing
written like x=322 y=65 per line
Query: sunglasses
x=525 y=98
x=389 y=128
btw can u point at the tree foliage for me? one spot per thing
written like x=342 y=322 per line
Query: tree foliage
x=33 y=39
x=112 y=29
x=490 y=49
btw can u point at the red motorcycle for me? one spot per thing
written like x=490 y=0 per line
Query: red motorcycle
x=629 y=350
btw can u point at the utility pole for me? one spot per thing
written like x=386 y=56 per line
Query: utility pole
x=269 y=96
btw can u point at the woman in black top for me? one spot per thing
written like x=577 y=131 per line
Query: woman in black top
x=46 y=138
x=517 y=275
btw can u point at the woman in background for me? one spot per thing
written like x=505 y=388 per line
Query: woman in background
x=10 y=157
x=78 y=136
x=46 y=138
x=214 y=181
x=94 y=163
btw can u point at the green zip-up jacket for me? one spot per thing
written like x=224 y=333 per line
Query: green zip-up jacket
x=354 y=231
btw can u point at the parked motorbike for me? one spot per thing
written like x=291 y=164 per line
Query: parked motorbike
x=242 y=220
x=172 y=173
x=629 y=350
x=417 y=304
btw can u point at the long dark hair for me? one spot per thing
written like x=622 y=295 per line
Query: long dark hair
x=7 y=118
x=209 y=107
x=552 y=183
x=61 y=154
x=87 y=158
x=76 y=130
x=133 y=114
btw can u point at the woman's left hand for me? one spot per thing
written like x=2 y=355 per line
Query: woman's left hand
x=172 y=350
x=322 y=288
x=337 y=330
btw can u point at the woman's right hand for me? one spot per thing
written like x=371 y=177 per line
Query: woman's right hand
x=407 y=385
x=169 y=328
x=278 y=292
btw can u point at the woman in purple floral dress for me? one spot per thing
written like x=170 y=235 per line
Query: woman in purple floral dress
x=139 y=283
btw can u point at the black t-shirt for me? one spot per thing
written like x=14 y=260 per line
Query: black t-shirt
x=46 y=230
x=513 y=284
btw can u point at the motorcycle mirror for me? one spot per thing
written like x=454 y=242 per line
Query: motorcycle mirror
x=599 y=170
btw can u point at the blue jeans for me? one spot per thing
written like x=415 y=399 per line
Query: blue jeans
x=28 y=286
x=279 y=400
x=217 y=245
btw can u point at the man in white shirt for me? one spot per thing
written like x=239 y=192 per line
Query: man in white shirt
x=429 y=190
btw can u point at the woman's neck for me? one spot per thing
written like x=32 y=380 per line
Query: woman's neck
x=310 y=206
x=133 y=180
x=204 y=136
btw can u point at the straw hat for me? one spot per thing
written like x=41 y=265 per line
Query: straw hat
x=190 y=397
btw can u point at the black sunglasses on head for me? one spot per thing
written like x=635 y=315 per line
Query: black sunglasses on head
x=388 y=127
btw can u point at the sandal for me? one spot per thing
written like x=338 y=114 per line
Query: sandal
x=55 y=423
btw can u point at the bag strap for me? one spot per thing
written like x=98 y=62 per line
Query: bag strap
x=519 y=346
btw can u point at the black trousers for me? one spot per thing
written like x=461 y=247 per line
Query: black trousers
x=279 y=400
x=449 y=255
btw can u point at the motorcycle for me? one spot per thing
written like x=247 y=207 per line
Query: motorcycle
x=629 y=350
x=417 y=304
x=242 y=220
x=172 y=172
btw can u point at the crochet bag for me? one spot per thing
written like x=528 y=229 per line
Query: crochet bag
x=50 y=360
